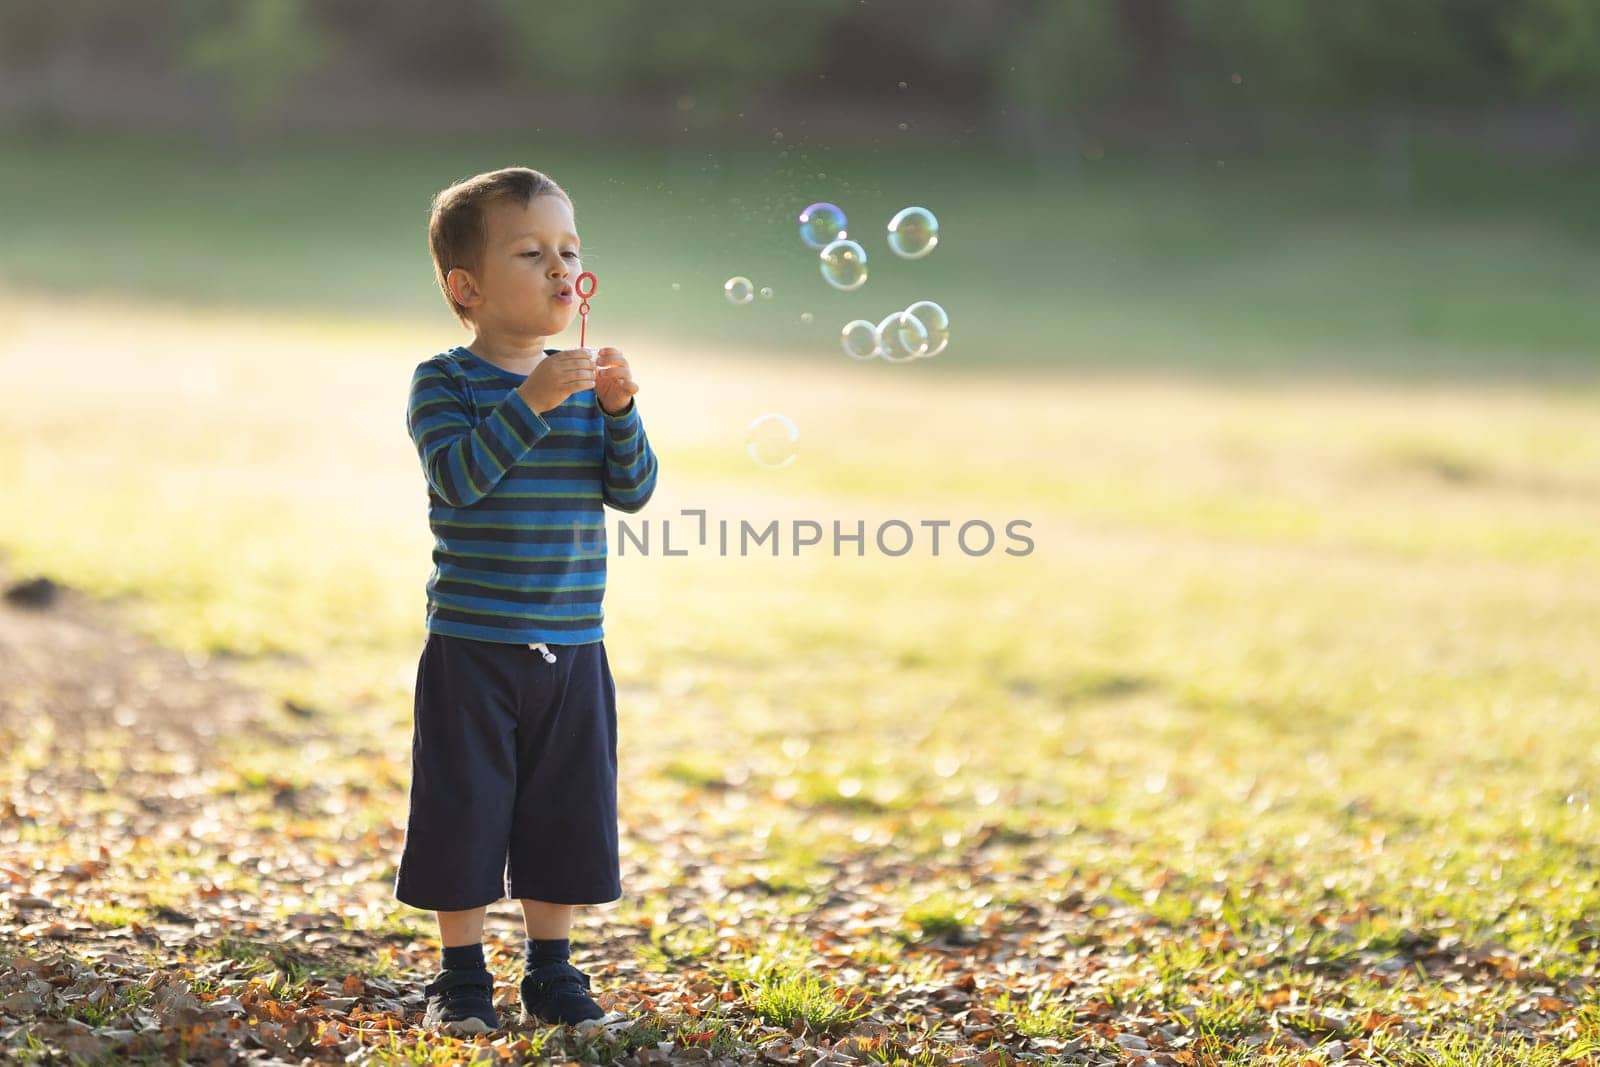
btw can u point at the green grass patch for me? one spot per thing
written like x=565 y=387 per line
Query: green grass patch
x=780 y=997
x=1298 y=261
x=939 y=915
x=115 y=915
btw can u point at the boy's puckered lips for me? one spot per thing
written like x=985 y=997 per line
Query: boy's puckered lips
x=565 y=294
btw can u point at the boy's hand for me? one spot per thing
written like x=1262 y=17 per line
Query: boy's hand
x=557 y=377
x=614 y=383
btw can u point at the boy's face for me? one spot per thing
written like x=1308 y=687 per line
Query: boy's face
x=525 y=283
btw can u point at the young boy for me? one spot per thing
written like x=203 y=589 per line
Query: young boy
x=514 y=754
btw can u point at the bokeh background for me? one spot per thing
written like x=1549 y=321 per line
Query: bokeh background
x=1277 y=320
x=1169 y=183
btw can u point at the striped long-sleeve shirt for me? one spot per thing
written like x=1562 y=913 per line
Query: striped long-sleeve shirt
x=515 y=501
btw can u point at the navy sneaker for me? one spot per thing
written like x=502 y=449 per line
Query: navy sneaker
x=557 y=993
x=461 y=1001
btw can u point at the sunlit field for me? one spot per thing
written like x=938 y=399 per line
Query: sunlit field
x=1435 y=263
x=1282 y=735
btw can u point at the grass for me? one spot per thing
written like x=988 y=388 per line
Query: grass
x=672 y=946
x=938 y=915
x=782 y=997
x=116 y=1003
x=1305 y=262
x=261 y=959
x=114 y=915
x=1465 y=1050
x=1037 y=1015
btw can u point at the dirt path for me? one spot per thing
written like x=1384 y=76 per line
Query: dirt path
x=63 y=661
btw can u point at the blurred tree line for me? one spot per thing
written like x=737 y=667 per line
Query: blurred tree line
x=1058 y=60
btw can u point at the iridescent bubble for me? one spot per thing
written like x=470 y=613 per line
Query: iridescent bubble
x=844 y=265
x=901 y=337
x=766 y=292
x=739 y=290
x=772 y=440
x=913 y=232
x=860 y=339
x=935 y=321
x=821 y=223
x=806 y=317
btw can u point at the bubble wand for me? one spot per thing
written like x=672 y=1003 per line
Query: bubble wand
x=583 y=308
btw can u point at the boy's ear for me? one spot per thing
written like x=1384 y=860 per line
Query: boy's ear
x=462 y=287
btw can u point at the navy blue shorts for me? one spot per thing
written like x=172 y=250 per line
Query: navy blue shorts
x=513 y=776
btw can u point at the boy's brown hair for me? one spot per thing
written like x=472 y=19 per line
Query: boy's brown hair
x=457 y=233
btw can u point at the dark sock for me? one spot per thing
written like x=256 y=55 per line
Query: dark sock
x=464 y=958
x=541 y=952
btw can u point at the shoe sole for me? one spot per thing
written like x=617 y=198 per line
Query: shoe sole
x=529 y=1019
x=463 y=1027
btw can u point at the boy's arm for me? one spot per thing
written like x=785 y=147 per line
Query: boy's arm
x=630 y=463
x=463 y=462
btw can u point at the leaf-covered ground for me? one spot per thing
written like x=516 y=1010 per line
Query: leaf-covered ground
x=1280 y=746
x=162 y=901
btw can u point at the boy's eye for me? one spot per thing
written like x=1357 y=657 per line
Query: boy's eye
x=534 y=253
x=574 y=255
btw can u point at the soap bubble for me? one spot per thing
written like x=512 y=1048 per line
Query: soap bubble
x=935 y=321
x=901 y=337
x=860 y=339
x=806 y=317
x=739 y=290
x=844 y=265
x=766 y=292
x=913 y=232
x=821 y=224
x=772 y=440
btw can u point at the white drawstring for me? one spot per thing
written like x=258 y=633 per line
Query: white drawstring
x=544 y=650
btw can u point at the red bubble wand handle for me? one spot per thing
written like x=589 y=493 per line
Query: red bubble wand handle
x=583 y=308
